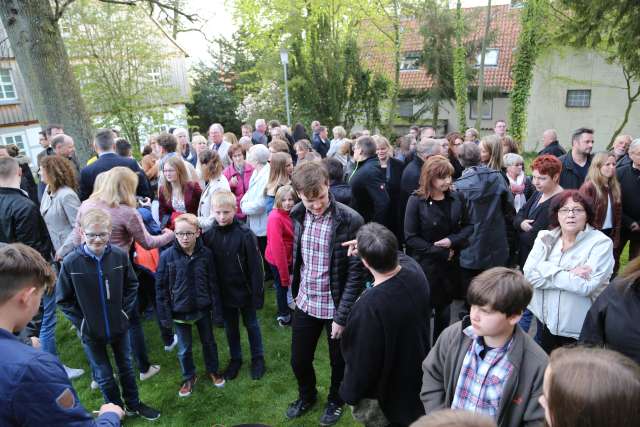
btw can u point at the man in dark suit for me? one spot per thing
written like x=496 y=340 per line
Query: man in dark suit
x=104 y=144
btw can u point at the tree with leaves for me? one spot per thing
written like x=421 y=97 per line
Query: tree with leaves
x=460 y=81
x=33 y=30
x=122 y=66
x=610 y=27
x=483 y=50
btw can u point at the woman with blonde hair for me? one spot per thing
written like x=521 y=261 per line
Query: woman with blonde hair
x=212 y=174
x=339 y=135
x=305 y=152
x=602 y=186
x=279 y=175
x=491 y=152
x=230 y=137
x=393 y=169
x=200 y=144
x=177 y=195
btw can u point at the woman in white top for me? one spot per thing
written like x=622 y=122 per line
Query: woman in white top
x=211 y=167
x=254 y=203
x=568 y=267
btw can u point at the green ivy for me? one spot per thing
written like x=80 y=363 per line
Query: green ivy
x=533 y=38
x=460 y=71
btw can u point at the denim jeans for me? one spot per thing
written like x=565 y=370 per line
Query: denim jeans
x=232 y=329
x=209 y=348
x=281 y=294
x=136 y=335
x=48 y=326
x=103 y=372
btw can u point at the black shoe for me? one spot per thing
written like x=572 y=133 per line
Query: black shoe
x=257 y=368
x=299 y=408
x=144 y=411
x=332 y=413
x=232 y=369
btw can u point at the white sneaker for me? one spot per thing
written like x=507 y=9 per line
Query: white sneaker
x=72 y=373
x=153 y=369
x=173 y=344
x=94 y=385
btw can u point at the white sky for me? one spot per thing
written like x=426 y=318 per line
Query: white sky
x=217 y=18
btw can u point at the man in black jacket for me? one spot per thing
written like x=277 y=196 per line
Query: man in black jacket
x=385 y=343
x=411 y=175
x=551 y=144
x=326 y=282
x=629 y=178
x=368 y=183
x=104 y=143
x=575 y=164
x=20 y=219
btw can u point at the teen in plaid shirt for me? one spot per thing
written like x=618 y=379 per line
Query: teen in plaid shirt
x=326 y=282
x=486 y=363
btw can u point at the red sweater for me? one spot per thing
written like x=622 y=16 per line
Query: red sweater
x=279 y=250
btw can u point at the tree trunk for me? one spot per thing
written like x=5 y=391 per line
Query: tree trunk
x=396 y=56
x=435 y=111
x=480 y=100
x=631 y=99
x=41 y=55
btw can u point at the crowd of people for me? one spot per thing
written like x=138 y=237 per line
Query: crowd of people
x=370 y=241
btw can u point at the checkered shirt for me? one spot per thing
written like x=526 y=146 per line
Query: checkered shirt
x=481 y=381
x=314 y=296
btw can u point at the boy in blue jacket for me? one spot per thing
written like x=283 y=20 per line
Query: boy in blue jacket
x=34 y=388
x=96 y=291
x=185 y=295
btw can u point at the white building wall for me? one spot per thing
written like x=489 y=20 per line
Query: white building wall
x=562 y=70
x=29 y=137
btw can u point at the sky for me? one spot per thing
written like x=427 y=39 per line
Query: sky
x=217 y=18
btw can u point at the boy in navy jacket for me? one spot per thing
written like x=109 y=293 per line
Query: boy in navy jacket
x=96 y=291
x=185 y=295
x=34 y=388
x=240 y=278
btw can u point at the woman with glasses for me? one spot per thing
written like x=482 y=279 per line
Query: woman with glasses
x=455 y=141
x=520 y=184
x=568 y=267
x=177 y=195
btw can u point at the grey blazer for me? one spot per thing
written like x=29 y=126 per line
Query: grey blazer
x=59 y=211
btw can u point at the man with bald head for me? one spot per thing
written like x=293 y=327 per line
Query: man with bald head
x=551 y=144
x=620 y=148
x=64 y=146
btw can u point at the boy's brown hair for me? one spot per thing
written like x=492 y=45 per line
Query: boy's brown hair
x=22 y=266
x=224 y=198
x=503 y=289
x=190 y=219
x=309 y=179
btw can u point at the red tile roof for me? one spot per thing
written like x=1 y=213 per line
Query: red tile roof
x=505 y=25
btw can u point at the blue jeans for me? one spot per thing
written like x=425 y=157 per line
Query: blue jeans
x=232 y=329
x=48 y=326
x=281 y=294
x=136 y=336
x=209 y=347
x=103 y=372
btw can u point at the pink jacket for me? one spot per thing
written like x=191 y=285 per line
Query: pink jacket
x=241 y=187
x=279 y=250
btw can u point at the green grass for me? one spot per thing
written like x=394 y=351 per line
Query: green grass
x=240 y=401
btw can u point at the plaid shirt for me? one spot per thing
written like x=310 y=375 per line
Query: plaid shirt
x=314 y=296
x=481 y=381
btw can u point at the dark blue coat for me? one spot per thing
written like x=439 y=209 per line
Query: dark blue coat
x=106 y=162
x=185 y=284
x=31 y=385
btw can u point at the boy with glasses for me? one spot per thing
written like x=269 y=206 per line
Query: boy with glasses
x=186 y=292
x=96 y=291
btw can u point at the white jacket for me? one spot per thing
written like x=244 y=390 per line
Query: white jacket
x=254 y=204
x=205 y=216
x=561 y=299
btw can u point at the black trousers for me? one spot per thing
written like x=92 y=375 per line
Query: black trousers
x=550 y=342
x=305 y=334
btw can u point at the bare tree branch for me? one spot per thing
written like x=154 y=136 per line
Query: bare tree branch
x=60 y=8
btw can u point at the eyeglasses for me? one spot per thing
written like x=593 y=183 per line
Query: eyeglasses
x=188 y=234
x=94 y=236
x=574 y=211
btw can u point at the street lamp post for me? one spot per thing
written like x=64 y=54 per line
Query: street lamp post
x=284 y=58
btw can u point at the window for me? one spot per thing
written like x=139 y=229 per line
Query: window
x=16 y=139
x=405 y=108
x=578 y=98
x=490 y=58
x=7 y=90
x=487 y=109
x=155 y=76
x=410 y=61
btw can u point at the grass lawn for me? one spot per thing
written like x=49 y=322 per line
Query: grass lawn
x=240 y=401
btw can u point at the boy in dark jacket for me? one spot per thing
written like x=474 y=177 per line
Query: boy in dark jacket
x=185 y=293
x=240 y=278
x=96 y=291
x=485 y=363
x=34 y=388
